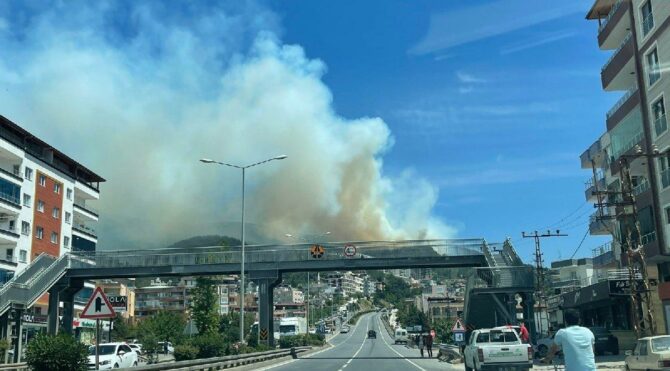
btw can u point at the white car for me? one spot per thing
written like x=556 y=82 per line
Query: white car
x=137 y=348
x=651 y=353
x=496 y=349
x=112 y=355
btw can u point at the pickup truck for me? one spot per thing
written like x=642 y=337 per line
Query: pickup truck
x=497 y=349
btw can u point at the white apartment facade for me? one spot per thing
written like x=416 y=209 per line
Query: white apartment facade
x=44 y=201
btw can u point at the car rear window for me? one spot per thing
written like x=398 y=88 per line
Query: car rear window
x=497 y=337
x=660 y=344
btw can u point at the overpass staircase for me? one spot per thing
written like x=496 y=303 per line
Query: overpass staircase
x=25 y=288
x=492 y=292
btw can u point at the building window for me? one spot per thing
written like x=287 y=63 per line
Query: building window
x=27 y=200
x=10 y=255
x=25 y=228
x=54 y=237
x=68 y=217
x=55 y=213
x=653 y=67
x=69 y=193
x=664 y=169
x=23 y=256
x=28 y=173
x=647 y=18
x=660 y=123
x=39 y=233
x=43 y=181
x=40 y=206
x=66 y=241
x=57 y=188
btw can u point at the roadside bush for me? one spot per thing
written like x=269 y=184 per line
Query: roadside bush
x=301 y=341
x=209 y=345
x=61 y=352
x=185 y=352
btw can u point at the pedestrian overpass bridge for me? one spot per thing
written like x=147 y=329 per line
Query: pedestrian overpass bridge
x=498 y=271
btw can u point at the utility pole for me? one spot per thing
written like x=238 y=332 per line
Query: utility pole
x=539 y=266
x=632 y=243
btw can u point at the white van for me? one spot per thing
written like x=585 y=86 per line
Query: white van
x=400 y=336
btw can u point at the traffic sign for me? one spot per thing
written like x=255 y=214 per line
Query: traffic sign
x=349 y=250
x=317 y=251
x=264 y=334
x=458 y=326
x=98 y=306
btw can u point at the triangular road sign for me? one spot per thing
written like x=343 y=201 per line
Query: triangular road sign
x=458 y=326
x=98 y=306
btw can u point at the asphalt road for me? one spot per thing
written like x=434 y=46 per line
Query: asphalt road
x=355 y=352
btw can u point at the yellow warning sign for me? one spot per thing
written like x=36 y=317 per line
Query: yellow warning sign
x=317 y=251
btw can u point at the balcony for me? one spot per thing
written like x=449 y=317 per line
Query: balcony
x=614 y=28
x=595 y=154
x=87 y=212
x=592 y=188
x=13 y=175
x=622 y=107
x=600 y=226
x=648 y=238
x=9 y=203
x=8 y=236
x=660 y=125
x=84 y=231
x=628 y=145
x=642 y=187
x=619 y=71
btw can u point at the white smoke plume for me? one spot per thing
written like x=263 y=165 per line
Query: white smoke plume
x=139 y=91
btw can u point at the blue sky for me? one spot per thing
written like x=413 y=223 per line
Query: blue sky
x=486 y=103
x=498 y=122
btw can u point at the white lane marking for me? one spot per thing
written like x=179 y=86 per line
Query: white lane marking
x=396 y=352
x=351 y=333
x=365 y=334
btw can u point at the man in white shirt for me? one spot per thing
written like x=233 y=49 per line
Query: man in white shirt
x=577 y=345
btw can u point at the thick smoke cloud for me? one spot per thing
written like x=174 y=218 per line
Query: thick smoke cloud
x=140 y=92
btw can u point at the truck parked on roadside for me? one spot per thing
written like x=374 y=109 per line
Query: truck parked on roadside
x=495 y=349
x=292 y=326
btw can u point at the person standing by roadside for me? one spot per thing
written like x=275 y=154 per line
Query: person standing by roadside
x=577 y=344
x=420 y=344
x=429 y=345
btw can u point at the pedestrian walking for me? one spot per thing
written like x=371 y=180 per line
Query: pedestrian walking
x=429 y=345
x=523 y=333
x=577 y=343
x=420 y=344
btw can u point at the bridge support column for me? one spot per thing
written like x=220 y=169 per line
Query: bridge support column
x=17 y=313
x=266 y=281
x=66 y=295
x=54 y=304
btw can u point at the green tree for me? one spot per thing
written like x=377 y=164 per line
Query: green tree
x=60 y=352
x=164 y=325
x=443 y=332
x=123 y=330
x=150 y=346
x=204 y=305
x=229 y=326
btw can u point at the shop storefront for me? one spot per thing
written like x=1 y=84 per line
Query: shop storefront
x=84 y=330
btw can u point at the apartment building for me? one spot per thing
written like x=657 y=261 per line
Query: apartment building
x=636 y=137
x=45 y=200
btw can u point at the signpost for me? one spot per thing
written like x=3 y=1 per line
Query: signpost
x=98 y=307
x=459 y=332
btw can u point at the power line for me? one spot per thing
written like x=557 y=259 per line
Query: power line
x=567 y=216
x=580 y=244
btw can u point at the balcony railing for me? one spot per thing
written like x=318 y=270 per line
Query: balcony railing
x=88 y=208
x=613 y=10
x=16 y=175
x=665 y=178
x=7 y=231
x=647 y=238
x=660 y=125
x=623 y=43
x=85 y=230
x=621 y=101
x=14 y=199
x=647 y=24
x=600 y=180
x=635 y=139
x=642 y=187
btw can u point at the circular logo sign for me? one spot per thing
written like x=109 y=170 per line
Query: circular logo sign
x=349 y=250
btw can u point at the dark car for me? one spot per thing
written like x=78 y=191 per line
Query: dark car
x=605 y=341
x=372 y=334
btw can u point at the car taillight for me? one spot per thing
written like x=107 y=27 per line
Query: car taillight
x=530 y=353
x=480 y=354
x=665 y=363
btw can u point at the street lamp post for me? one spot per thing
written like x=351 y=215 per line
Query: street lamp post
x=242 y=288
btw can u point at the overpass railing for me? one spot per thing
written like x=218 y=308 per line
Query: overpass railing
x=278 y=254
